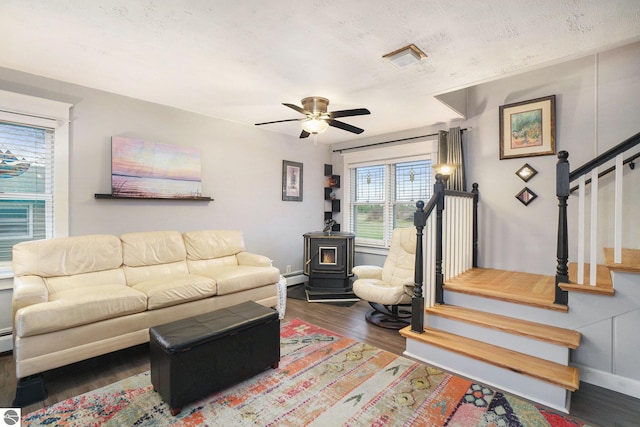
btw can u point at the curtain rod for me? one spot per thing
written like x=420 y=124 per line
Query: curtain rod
x=389 y=142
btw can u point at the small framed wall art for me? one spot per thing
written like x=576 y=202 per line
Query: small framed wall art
x=291 y=181
x=526 y=196
x=526 y=172
x=528 y=128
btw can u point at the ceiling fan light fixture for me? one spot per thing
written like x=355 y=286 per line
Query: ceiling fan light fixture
x=315 y=125
x=405 y=56
x=315 y=104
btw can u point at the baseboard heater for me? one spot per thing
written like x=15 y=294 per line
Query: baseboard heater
x=6 y=340
x=295 y=278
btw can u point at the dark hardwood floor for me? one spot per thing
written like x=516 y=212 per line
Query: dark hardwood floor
x=591 y=404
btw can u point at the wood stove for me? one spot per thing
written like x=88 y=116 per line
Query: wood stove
x=328 y=260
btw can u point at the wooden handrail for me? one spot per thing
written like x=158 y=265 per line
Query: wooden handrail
x=605 y=157
x=609 y=170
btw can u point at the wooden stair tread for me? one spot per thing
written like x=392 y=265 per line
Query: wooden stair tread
x=630 y=260
x=544 y=370
x=552 y=334
x=516 y=287
x=603 y=285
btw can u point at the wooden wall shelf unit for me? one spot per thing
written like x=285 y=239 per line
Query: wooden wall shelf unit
x=333 y=183
x=189 y=199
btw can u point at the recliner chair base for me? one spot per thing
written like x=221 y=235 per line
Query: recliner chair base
x=389 y=316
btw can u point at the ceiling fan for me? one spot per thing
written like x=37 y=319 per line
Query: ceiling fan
x=316 y=118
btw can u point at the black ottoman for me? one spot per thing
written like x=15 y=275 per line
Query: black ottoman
x=194 y=357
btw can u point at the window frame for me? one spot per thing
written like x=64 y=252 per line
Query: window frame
x=40 y=112
x=425 y=149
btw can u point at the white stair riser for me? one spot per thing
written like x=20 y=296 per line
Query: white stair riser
x=530 y=346
x=511 y=382
x=505 y=308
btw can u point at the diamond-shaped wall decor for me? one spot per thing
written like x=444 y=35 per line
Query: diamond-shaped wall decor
x=526 y=172
x=526 y=196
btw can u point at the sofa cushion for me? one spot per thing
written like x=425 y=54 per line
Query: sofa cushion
x=152 y=248
x=176 y=289
x=209 y=244
x=97 y=278
x=136 y=275
x=203 y=266
x=67 y=256
x=231 y=279
x=79 y=306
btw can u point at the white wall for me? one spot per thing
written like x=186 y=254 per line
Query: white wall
x=241 y=170
x=597 y=107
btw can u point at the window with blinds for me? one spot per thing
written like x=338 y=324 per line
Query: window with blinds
x=384 y=196
x=369 y=202
x=26 y=184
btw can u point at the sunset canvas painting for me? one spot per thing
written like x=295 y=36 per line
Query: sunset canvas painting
x=153 y=170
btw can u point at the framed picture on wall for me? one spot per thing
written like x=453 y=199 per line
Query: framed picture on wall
x=291 y=181
x=528 y=128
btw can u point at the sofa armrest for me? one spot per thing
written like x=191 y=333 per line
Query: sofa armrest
x=247 y=258
x=28 y=290
x=367 y=271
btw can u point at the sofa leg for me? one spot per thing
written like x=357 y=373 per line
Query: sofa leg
x=30 y=390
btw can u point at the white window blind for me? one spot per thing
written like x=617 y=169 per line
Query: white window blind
x=26 y=182
x=368 y=204
x=412 y=183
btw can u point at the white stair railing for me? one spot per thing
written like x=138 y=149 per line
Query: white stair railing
x=457 y=241
x=564 y=177
x=593 y=182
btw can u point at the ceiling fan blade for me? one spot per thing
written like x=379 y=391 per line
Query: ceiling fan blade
x=280 y=121
x=298 y=109
x=304 y=134
x=344 y=126
x=349 y=113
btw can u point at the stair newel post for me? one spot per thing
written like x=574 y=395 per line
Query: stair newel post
x=438 y=189
x=475 y=224
x=562 y=192
x=417 y=301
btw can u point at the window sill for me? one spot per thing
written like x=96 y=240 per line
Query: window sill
x=374 y=250
x=6 y=273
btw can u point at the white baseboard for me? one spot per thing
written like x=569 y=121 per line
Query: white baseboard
x=6 y=343
x=613 y=382
x=295 y=278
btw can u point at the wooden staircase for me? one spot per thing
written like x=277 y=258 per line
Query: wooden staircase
x=497 y=327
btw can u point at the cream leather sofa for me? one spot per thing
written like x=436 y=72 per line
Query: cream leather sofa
x=79 y=297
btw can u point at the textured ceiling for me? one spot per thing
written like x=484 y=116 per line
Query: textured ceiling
x=239 y=60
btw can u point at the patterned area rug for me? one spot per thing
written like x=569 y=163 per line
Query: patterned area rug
x=323 y=380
